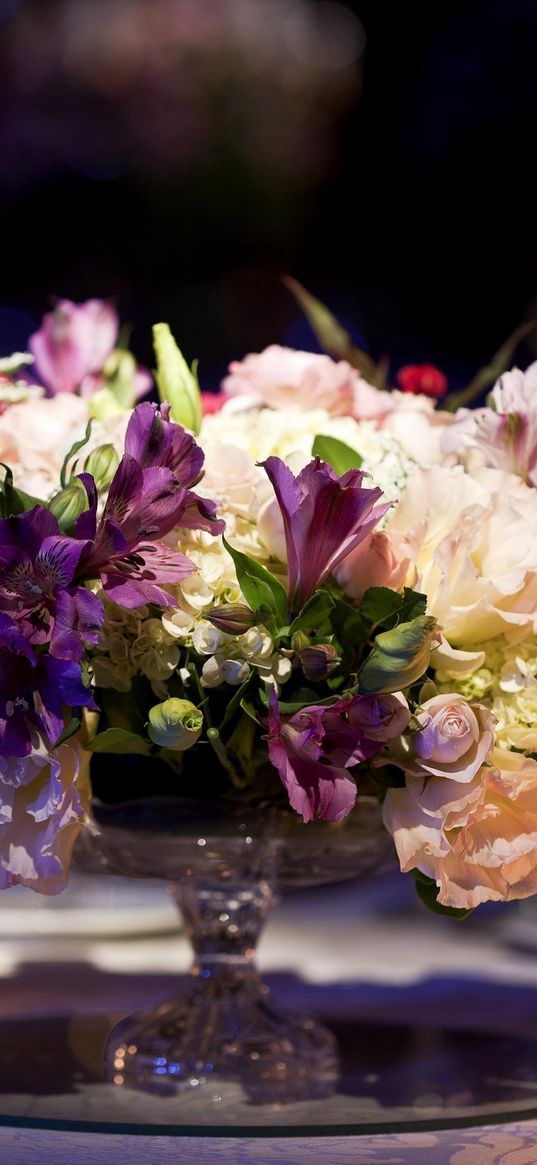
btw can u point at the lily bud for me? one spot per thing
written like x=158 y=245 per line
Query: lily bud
x=68 y=504
x=176 y=382
x=399 y=657
x=231 y=618
x=318 y=661
x=102 y=464
x=175 y=724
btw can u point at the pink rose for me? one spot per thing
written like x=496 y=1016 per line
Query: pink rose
x=454 y=739
x=477 y=841
x=376 y=562
x=283 y=378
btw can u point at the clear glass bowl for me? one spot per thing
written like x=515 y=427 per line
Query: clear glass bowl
x=225 y=866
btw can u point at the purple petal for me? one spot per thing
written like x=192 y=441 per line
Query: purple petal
x=324 y=518
x=26 y=532
x=155 y=441
x=86 y=524
x=13 y=641
x=133 y=588
x=316 y=788
x=57 y=561
x=78 y=618
x=200 y=514
x=62 y=684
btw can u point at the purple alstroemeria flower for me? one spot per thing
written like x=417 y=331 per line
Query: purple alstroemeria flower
x=35 y=689
x=324 y=518
x=146 y=500
x=37 y=570
x=312 y=751
x=73 y=343
x=152 y=439
x=155 y=441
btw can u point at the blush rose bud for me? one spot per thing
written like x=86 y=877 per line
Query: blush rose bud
x=175 y=724
x=399 y=657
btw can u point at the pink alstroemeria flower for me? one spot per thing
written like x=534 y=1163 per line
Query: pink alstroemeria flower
x=73 y=342
x=324 y=518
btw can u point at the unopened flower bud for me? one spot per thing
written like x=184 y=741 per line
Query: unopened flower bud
x=175 y=724
x=177 y=384
x=299 y=641
x=102 y=464
x=399 y=657
x=68 y=504
x=318 y=661
x=231 y=618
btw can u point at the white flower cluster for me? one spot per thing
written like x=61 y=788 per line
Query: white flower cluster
x=131 y=642
x=288 y=432
x=507 y=683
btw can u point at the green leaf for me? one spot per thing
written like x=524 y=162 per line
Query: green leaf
x=427 y=891
x=303 y=698
x=249 y=707
x=380 y=605
x=336 y=453
x=399 y=657
x=351 y=629
x=74 y=449
x=261 y=589
x=333 y=337
x=176 y=382
x=71 y=727
x=14 y=501
x=314 y=615
x=117 y=740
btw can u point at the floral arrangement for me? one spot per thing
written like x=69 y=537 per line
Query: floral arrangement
x=325 y=586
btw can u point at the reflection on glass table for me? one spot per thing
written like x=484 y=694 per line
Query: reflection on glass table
x=436 y=1024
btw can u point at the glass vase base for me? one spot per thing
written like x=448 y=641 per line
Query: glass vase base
x=214 y=1035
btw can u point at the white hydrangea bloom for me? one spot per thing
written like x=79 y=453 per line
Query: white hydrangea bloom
x=131 y=642
x=507 y=684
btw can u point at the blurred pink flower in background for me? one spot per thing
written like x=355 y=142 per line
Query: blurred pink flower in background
x=284 y=378
x=73 y=343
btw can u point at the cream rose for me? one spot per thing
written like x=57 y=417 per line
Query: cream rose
x=478 y=841
x=473 y=541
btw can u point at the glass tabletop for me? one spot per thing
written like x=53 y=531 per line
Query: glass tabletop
x=394 y=1077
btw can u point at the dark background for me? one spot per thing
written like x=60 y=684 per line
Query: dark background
x=180 y=155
